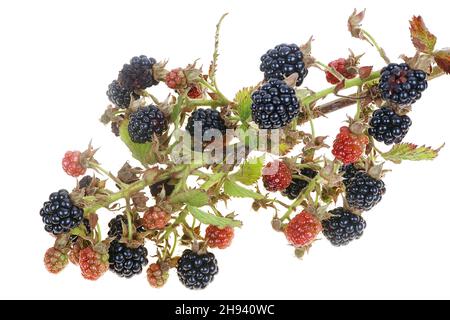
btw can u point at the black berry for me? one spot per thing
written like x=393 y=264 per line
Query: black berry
x=197 y=271
x=282 y=61
x=125 y=261
x=146 y=122
x=343 y=227
x=119 y=96
x=85 y=182
x=138 y=74
x=388 y=127
x=59 y=214
x=274 y=105
x=363 y=192
x=297 y=185
x=157 y=188
x=402 y=85
x=206 y=120
x=115 y=226
x=349 y=171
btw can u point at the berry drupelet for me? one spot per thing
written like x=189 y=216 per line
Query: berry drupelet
x=195 y=270
x=388 y=127
x=205 y=121
x=119 y=96
x=363 y=192
x=146 y=122
x=59 y=214
x=298 y=184
x=138 y=74
x=399 y=84
x=343 y=227
x=274 y=105
x=126 y=261
x=282 y=61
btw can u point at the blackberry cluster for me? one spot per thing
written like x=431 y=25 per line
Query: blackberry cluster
x=156 y=188
x=274 y=105
x=282 y=61
x=120 y=96
x=138 y=74
x=146 y=122
x=388 y=127
x=363 y=192
x=343 y=227
x=197 y=271
x=402 y=85
x=297 y=185
x=125 y=261
x=59 y=214
x=206 y=119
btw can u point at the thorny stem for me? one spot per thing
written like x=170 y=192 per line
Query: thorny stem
x=99 y=232
x=222 y=99
x=130 y=219
x=207 y=102
x=358 y=104
x=99 y=168
x=373 y=42
x=311 y=122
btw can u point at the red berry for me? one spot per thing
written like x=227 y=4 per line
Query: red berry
x=55 y=260
x=176 y=79
x=348 y=147
x=276 y=176
x=93 y=264
x=303 y=229
x=72 y=165
x=219 y=238
x=158 y=274
x=342 y=66
x=195 y=92
x=155 y=218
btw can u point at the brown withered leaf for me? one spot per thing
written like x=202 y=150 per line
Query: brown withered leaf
x=306 y=49
x=128 y=174
x=420 y=61
x=364 y=72
x=354 y=24
x=139 y=200
x=423 y=40
x=93 y=220
x=442 y=58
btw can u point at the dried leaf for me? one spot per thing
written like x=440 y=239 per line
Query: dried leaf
x=365 y=72
x=423 y=40
x=127 y=174
x=354 y=24
x=442 y=58
x=412 y=152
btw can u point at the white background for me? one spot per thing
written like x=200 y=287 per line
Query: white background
x=56 y=59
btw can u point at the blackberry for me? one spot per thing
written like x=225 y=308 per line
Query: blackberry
x=363 y=192
x=119 y=96
x=343 y=227
x=125 y=261
x=138 y=74
x=402 y=85
x=274 y=105
x=282 y=61
x=59 y=214
x=195 y=270
x=388 y=127
x=115 y=226
x=85 y=182
x=349 y=171
x=146 y=122
x=297 y=185
x=206 y=119
x=156 y=188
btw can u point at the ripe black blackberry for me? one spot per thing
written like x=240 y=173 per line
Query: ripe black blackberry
x=343 y=227
x=146 y=122
x=156 y=188
x=119 y=96
x=363 y=192
x=388 y=127
x=125 y=261
x=59 y=214
x=402 y=85
x=349 y=171
x=297 y=185
x=138 y=74
x=197 y=271
x=85 y=181
x=205 y=119
x=115 y=226
x=282 y=61
x=274 y=105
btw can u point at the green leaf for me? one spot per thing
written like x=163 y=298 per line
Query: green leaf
x=233 y=189
x=207 y=218
x=250 y=171
x=215 y=178
x=196 y=198
x=140 y=151
x=244 y=103
x=409 y=151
